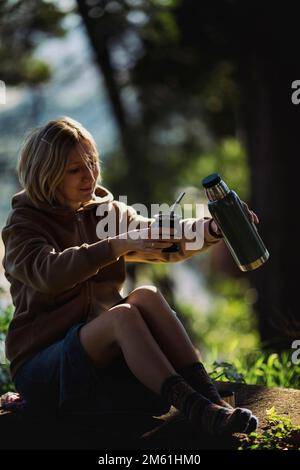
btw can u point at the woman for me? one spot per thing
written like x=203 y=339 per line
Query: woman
x=73 y=336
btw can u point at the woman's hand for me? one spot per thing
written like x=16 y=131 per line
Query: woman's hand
x=251 y=214
x=142 y=242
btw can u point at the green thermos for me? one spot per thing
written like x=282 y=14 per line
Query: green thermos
x=240 y=235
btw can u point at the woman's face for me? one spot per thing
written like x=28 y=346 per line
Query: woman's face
x=79 y=181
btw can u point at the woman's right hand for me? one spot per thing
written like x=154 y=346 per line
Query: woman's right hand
x=141 y=241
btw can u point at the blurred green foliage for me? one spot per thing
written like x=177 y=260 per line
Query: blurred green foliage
x=228 y=329
x=5 y=317
x=229 y=159
x=6 y=314
x=22 y=27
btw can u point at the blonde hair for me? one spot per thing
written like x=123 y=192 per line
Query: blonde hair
x=44 y=156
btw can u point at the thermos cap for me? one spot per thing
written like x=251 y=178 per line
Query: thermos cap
x=211 y=180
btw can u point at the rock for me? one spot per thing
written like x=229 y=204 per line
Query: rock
x=258 y=399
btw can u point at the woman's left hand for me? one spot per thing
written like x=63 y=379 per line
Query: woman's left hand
x=251 y=214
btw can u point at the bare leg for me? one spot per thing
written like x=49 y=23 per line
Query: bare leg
x=123 y=330
x=165 y=327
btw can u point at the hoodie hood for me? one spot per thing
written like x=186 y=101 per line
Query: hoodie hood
x=22 y=200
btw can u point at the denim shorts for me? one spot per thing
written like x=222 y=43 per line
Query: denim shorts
x=62 y=378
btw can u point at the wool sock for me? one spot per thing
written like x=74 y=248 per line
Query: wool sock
x=201 y=412
x=252 y=425
x=196 y=375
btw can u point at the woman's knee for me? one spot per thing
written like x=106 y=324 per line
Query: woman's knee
x=125 y=315
x=145 y=298
x=146 y=293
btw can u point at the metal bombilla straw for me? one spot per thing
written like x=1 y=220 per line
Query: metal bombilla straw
x=176 y=202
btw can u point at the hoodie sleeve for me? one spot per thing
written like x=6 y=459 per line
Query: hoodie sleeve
x=129 y=219
x=193 y=241
x=30 y=258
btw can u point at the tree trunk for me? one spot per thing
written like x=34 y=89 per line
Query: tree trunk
x=271 y=128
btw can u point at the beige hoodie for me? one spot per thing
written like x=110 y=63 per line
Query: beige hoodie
x=60 y=273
